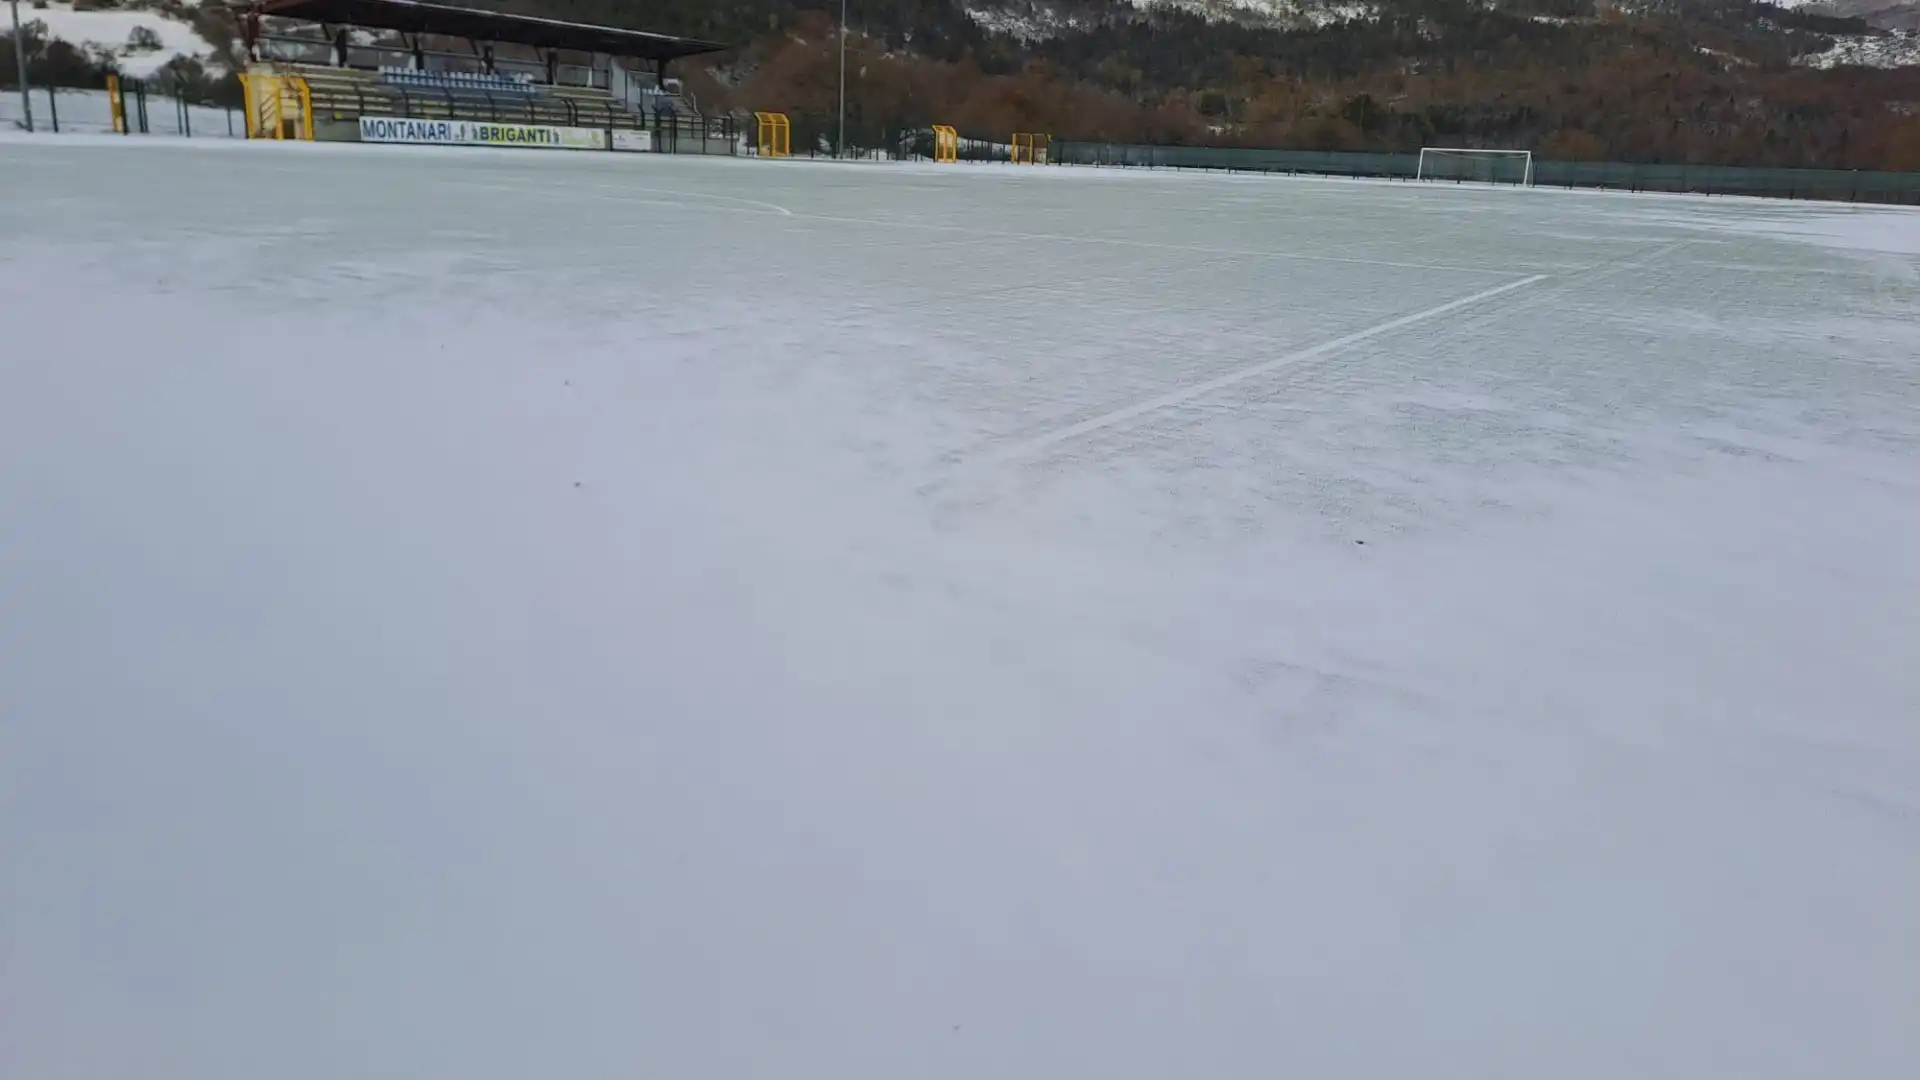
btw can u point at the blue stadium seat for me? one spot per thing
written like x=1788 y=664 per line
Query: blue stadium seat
x=470 y=81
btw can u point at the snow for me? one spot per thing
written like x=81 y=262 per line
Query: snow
x=1883 y=230
x=1734 y=59
x=1023 y=23
x=109 y=31
x=1895 y=48
x=491 y=614
x=1313 y=13
x=1039 y=21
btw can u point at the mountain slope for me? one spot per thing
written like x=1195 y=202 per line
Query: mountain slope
x=1709 y=81
x=1880 y=14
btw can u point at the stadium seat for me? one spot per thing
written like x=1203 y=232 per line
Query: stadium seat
x=457 y=81
x=346 y=94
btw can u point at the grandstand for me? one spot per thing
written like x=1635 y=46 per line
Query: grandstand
x=376 y=60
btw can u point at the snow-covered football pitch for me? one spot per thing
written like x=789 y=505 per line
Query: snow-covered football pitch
x=497 y=615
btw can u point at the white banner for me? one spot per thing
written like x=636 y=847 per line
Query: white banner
x=394 y=129
x=632 y=140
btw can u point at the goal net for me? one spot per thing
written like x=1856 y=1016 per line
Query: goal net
x=1476 y=166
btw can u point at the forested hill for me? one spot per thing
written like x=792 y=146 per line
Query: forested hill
x=1652 y=80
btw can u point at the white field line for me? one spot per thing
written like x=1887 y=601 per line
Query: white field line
x=1254 y=371
x=1596 y=272
x=775 y=207
x=614 y=194
x=1152 y=245
x=619 y=194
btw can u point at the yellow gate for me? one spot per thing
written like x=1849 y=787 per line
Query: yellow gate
x=946 y=144
x=773 y=135
x=278 y=106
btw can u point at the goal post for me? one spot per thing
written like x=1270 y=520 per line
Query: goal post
x=1478 y=166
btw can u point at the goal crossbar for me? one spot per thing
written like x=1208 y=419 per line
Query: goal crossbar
x=1424 y=171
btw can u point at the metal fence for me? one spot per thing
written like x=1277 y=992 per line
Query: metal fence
x=1839 y=184
x=681 y=133
x=144 y=108
x=146 y=111
x=816 y=135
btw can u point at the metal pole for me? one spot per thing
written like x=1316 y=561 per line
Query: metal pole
x=20 y=65
x=839 y=149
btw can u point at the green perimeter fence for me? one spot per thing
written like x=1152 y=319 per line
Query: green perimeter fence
x=1839 y=184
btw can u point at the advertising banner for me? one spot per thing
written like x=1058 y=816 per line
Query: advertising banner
x=394 y=129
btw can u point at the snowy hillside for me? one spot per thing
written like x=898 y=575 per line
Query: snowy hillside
x=1038 y=20
x=1272 y=12
x=139 y=40
x=1033 y=20
x=1024 y=21
x=1890 y=50
x=1884 y=14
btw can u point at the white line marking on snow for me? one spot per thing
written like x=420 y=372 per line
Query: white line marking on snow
x=783 y=211
x=1189 y=393
x=1050 y=285
x=677 y=204
x=618 y=194
x=974 y=230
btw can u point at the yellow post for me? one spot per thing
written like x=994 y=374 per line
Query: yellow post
x=306 y=107
x=261 y=92
x=946 y=144
x=116 y=105
x=246 y=102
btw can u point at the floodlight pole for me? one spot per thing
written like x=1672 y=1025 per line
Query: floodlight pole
x=20 y=66
x=840 y=147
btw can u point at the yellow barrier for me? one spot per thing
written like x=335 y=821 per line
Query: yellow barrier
x=278 y=106
x=773 y=135
x=1030 y=148
x=946 y=144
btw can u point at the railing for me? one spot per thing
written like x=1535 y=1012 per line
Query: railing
x=125 y=106
x=1840 y=184
x=672 y=132
x=350 y=101
x=680 y=133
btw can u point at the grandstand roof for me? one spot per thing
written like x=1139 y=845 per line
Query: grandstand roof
x=419 y=17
